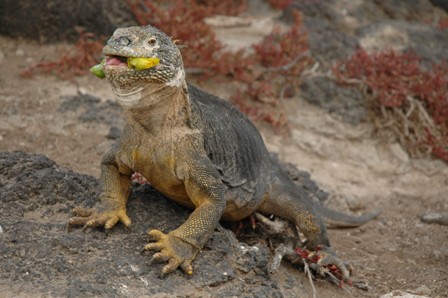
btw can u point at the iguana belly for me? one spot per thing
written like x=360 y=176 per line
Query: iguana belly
x=162 y=177
x=158 y=169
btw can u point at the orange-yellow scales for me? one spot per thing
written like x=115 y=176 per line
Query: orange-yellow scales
x=142 y=63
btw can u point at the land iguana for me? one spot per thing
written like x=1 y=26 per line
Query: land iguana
x=197 y=150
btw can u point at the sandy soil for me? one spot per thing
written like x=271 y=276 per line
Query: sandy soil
x=397 y=251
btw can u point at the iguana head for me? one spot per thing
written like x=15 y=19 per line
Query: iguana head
x=142 y=42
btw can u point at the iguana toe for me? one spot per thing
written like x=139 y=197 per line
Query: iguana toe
x=159 y=257
x=171 y=266
x=90 y=218
x=82 y=212
x=171 y=249
x=187 y=267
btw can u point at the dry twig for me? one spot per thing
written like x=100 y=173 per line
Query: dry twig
x=310 y=277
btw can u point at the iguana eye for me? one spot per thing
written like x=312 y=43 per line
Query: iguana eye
x=124 y=41
x=152 y=41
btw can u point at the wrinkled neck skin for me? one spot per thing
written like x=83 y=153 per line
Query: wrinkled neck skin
x=154 y=108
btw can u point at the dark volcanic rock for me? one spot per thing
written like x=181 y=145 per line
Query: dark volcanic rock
x=443 y=4
x=39 y=257
x=56 y=20
x=428 y=42
x=348 y=102
x=91 y=109
x=30 y=182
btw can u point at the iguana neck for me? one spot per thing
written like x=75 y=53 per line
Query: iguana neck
x=159 y=107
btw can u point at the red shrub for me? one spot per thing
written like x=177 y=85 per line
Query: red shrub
x=284 y=55
x=280 y=4
x=395 y=80
x=442 y=24
x=74 y=61
x=283 y=50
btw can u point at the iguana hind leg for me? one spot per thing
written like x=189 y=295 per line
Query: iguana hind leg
x=291 y=203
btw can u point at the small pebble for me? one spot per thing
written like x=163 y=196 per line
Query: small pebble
x=422 y=290
x=435 y=217
x=440 y=254
x=20 y=52
x=360 y=284
x=1 y=229
x=401 y=294
x=82 y=91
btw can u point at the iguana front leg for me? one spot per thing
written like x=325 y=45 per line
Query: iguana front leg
x=206 y=191
x=116 y=183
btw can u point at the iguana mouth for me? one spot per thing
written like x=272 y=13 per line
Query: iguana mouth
x=137 y=63
x=116 y=61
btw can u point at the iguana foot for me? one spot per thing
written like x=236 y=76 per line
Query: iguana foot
x=92 y=218
x=173 y=250
x=326 y=258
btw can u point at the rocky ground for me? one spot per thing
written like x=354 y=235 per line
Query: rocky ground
x=72 y=123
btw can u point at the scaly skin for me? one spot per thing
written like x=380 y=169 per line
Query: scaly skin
x=196 y=149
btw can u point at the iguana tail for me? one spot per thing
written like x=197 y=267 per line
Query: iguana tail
x=337 y=219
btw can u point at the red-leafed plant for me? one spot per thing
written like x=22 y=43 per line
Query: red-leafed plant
x=442 y=24
x=406 y=99
x=280 y=4
x=283 y=56
x=73 y=61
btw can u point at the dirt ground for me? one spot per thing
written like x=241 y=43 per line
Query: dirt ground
x=75 y=122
